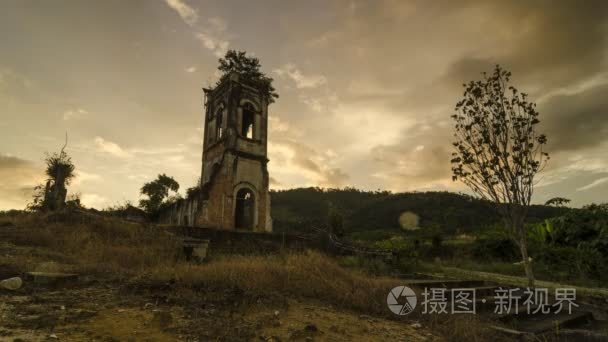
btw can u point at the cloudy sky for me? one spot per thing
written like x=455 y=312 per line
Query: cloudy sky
x=366 y=88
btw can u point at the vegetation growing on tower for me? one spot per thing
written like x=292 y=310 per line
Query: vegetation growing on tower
x=249 y=69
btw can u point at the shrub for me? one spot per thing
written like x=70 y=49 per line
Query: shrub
x=309 y=275
x=372 y=266
x=371 y=235
x=581 y=225
x=569 y=263
x=503 y=249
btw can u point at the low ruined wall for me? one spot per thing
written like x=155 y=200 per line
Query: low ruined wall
x=242 y=242
x=182 y=213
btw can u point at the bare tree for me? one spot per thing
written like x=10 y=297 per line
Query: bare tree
x=498 y=151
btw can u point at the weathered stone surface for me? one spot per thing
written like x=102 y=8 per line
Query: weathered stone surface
x=234 y=179
x=196 y=249
x=11 y=283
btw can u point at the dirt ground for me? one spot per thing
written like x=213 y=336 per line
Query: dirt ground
x=92 y=310
x=97 y=307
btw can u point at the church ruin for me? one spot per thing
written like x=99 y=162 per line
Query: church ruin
x=233 y=191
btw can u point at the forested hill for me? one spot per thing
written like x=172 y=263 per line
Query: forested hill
x=379 y=211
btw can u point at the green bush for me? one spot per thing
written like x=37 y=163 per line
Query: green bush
x=582 y=225
x=371 y=235
x=570 y=263
x=369 y=265
x=503 y=249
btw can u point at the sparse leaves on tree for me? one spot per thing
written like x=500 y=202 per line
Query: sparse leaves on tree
x=37 y=202
x=498 y=151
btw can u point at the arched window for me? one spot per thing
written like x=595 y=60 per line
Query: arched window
x=244 y=210
x=247 y=125
x=219 y=127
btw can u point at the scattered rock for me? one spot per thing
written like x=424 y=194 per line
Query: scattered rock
x=416 y=325
x=11 y=284
x=53 y=336
x=276 y=312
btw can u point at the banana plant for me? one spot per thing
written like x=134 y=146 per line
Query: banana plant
x=542 y=232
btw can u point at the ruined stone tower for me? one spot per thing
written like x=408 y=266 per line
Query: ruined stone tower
x=234 y=179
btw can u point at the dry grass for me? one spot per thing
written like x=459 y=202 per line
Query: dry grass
x=316 y=276
x=95 y=244
x=309 y=275
x=101 y=245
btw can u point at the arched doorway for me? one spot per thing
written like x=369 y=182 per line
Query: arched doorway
x=244 y=212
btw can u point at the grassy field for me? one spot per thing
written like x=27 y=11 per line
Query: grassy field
x=144 y=257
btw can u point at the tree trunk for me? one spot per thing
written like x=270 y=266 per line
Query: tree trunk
x=523 y=246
